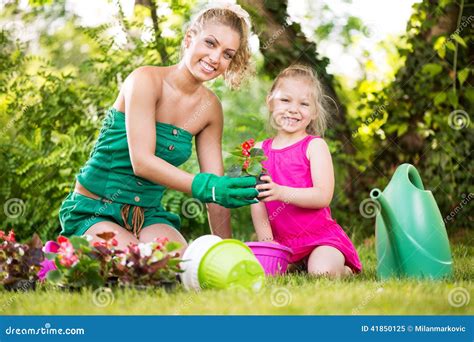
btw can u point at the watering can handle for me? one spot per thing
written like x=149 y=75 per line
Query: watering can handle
x=414 y=177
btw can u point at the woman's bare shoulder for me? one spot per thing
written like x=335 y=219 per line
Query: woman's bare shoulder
x=149 y=79
x=210 y=105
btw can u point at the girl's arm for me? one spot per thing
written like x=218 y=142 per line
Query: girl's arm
x=260 y=219
x=322 y=174
x=261 y=222
x=142 y=90
x=209 y=152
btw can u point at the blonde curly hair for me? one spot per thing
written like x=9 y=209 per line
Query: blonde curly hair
x=237 y=19
x=319 y=124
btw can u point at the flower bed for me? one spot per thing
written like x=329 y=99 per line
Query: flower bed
x=76 y=263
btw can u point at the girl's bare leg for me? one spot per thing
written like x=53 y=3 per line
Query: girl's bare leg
x=328 y=261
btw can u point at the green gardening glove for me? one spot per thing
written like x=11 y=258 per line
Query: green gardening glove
x=226 y=191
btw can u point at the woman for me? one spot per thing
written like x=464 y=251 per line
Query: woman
x=147 y=134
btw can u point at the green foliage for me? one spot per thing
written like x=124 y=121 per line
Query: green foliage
x=422 y=117
x=51 y=107
x=52 y=102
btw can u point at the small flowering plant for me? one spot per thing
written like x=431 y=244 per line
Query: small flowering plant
x=19 y=262
x=148 y=264
x=75 y=263
x=247 y=160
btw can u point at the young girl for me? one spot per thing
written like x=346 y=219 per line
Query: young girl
x=300 y=182
x=148 y=133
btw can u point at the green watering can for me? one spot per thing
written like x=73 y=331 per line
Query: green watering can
x=411 y=238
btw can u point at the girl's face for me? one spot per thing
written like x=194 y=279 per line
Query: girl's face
x=209 y=52
x=292 y=105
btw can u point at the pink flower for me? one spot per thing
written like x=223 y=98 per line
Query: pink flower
x=46 y=266
x=161 y=242
x=68 y=260
x=65 y=252
x=51 y=247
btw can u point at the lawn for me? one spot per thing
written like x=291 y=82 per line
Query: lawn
x=295 y=294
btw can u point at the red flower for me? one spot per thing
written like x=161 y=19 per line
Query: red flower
x=246 y=164
x=107 y=244
x=99 y=244
x=62 y=239
x=247 y=146
x=10 y=237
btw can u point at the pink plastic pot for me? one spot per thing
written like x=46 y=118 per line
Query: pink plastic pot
x=273 y=257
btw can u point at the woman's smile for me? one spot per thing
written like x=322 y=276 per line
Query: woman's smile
x=208 y=69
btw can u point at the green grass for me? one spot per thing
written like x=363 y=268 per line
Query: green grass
x=295 y=294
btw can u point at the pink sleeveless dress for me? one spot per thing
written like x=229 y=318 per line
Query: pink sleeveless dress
x=302 y=229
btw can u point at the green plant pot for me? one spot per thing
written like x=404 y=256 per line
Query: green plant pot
x=230 y=264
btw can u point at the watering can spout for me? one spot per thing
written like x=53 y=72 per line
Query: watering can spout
x=390 y=220
x=386 y=210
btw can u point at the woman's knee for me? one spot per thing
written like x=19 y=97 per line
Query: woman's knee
x=159 y=230
x=122 y=235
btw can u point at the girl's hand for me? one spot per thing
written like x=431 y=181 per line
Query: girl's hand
x=271 y=191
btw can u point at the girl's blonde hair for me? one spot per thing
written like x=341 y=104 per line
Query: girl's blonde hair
x=237 y=19
x=318 y=125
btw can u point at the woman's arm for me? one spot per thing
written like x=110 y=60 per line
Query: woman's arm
x=142 y=90
x=209 y=152
x=322 y=174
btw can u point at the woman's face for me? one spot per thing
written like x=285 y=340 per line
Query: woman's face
x=209 y=52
